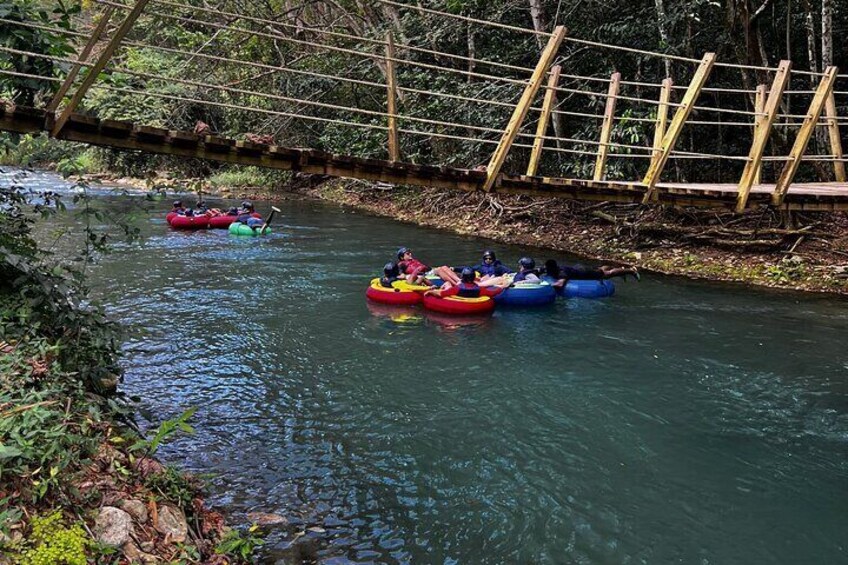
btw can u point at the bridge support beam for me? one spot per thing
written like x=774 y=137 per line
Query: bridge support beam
x=521 y=109
x=606 y=127
x=391 y=79
x=835 y=139
x=97 y=68
x=544 y=120
x=760 y=110
x=823 y=91
x=762 y=131
x=659 y=160
x=662 y=115
x=83 y=57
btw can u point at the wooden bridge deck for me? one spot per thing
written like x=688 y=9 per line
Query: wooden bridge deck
x=125 y=135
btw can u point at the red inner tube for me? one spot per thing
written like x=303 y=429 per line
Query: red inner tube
x=190 y=222
x=221 y=222
x=396 y=297
x=458 y=307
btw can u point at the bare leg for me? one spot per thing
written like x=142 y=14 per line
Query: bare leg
x=446 y=274
x=491 y=281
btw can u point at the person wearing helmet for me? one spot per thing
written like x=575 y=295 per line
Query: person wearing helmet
x=526 y=271
x=564 y=273
x=413 y=269
x=491 y=267
x=391 y=273
x=233 y=211
x=178 y=208
x=467 y=287
x=248 y=216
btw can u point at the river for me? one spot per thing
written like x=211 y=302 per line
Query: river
x=678 y=421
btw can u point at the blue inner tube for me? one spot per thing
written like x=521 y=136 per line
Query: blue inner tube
x=527 y=294
x=585 y=288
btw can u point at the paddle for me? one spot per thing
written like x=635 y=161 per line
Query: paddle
x=267 y=223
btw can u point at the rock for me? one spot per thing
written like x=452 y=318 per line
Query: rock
x=172 y=522
x=135 y=555
x=109 y=384
x=136 y=509
x=264 y=519
x=113 y=526
x=148 y=546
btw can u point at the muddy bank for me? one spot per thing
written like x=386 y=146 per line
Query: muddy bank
x=806 y=252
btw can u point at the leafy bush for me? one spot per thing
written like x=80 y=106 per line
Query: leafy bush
x=52 y=543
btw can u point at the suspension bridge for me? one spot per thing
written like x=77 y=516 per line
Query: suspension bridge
x=529 y=111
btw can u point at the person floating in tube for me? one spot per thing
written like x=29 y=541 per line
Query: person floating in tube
x=467 y=287
x=248 y=216
x=414 y=270
x=490 y=271
x=564 y=273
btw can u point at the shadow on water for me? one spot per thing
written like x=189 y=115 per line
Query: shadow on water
x=677 y=421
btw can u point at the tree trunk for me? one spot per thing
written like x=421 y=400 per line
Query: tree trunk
x=809 y=26
x=537 y=14
x=827 y=34
x=661 y=26
x=472 y=51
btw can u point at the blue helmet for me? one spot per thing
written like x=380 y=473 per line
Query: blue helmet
x=467 y=275
x=527 y=263
x=401 y=252
x=391 y=269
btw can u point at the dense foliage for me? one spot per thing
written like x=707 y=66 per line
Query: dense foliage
x=181 y=66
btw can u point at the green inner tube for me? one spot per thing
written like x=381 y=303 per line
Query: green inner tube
x=237 y=228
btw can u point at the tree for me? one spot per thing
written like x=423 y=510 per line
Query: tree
x=21 y=89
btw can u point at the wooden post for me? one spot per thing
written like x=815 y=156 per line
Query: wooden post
x=807 y=128
x=659 y=160
x=544 y=119
x=662 y=115
x=606 y=127
x=835 y=138
x=521 y=109
x=760 y=110
x=97 y=68
x=83 y=57
x=762 y=131
x=391 y=79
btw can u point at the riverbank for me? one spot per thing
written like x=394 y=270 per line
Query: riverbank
x=78 y=481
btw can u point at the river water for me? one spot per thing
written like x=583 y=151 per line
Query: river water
x=679 y=421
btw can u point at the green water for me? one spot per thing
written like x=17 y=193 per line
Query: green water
x=676 y=422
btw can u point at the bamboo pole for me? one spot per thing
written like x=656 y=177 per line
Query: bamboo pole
x=824 y=89
x=83 y=57
x=97 y=68
x=662 y=115
x=391 y=79
x=659 y=160
x=606 y=127
x=544 y=119
x=762 y=131
x=835 y=138
x=759 y=109
x=521 y=109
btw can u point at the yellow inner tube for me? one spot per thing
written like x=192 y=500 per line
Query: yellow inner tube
x=402 y=286
x=469 y=300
